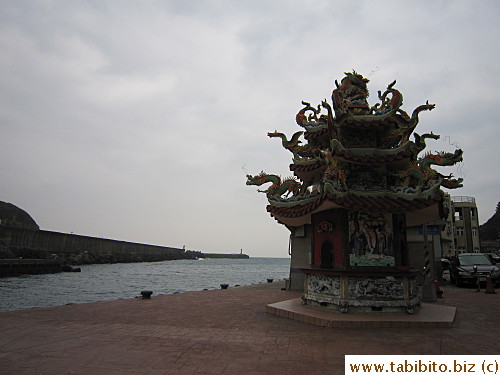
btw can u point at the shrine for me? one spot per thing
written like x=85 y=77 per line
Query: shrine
x=360 y=177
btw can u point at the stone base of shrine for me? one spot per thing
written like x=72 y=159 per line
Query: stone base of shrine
x=363 y=306
x=392 y=291
x=429 y=315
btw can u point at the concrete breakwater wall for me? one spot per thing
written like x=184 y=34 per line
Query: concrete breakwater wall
x=225 y=256
x=16 y=267
x=76 y=249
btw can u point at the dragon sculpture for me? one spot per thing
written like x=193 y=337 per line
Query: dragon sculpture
x=338 y=137
x=334 y=172
x=291 y=145
x=402 y=134
x=388 y=104
x=420 y=140
x=452 y=183
x=315 y=120
x=278 y=187
x=312 y=119
x=351 y=94
x=420 y=173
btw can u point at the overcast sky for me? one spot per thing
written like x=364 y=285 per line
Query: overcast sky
x=138 y=120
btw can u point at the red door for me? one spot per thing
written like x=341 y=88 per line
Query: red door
x=327 y=239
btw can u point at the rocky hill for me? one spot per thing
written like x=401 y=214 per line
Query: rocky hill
x=13 y=216
x=490 y=231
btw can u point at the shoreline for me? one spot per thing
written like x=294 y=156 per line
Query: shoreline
x=276 y=284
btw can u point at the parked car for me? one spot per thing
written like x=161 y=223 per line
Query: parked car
x=462 y=269
x=445 y=263
x=495 y=258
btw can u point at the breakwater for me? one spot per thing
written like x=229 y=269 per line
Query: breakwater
x=225 y=256
x=77 y=249
x=16 y=267
x=23 y=244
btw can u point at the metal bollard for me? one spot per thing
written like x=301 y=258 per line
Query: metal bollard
x=146 y=294
x=490 y=289
x=478 y=286
x=439 y=292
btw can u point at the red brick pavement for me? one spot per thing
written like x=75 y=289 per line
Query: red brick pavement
x=222 y=332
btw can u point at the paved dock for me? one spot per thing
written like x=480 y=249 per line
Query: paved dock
x=223 y=332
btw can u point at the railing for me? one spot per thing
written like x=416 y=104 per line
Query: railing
x=463 y=199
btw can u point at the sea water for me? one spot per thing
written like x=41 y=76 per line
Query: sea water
x=100 y=282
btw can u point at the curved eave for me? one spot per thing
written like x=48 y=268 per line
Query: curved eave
x=311 y=133
x=375 y=156
x=369 y=121
x=295 y=214
x=306 y=165
x=310 y=171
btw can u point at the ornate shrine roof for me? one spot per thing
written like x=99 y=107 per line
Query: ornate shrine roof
x=357 y=157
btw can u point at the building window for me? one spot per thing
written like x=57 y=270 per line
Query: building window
x=474 y=231
x=473 y=213
x=460 y=231
x=447 y=229
x=458 y=213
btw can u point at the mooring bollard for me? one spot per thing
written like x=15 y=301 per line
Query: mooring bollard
x=224 y=286
x=146 y=294
x=439 y=292
x=490 y=289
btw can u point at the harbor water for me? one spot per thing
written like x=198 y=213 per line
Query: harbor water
x=101 y=282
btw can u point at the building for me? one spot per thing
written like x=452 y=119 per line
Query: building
x=466 y=225
x=436 y=238
x=456 y=234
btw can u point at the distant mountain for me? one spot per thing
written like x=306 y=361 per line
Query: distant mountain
x=490 y=231
x=13 y=216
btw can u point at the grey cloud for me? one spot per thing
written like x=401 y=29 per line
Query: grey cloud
x=133 y=120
